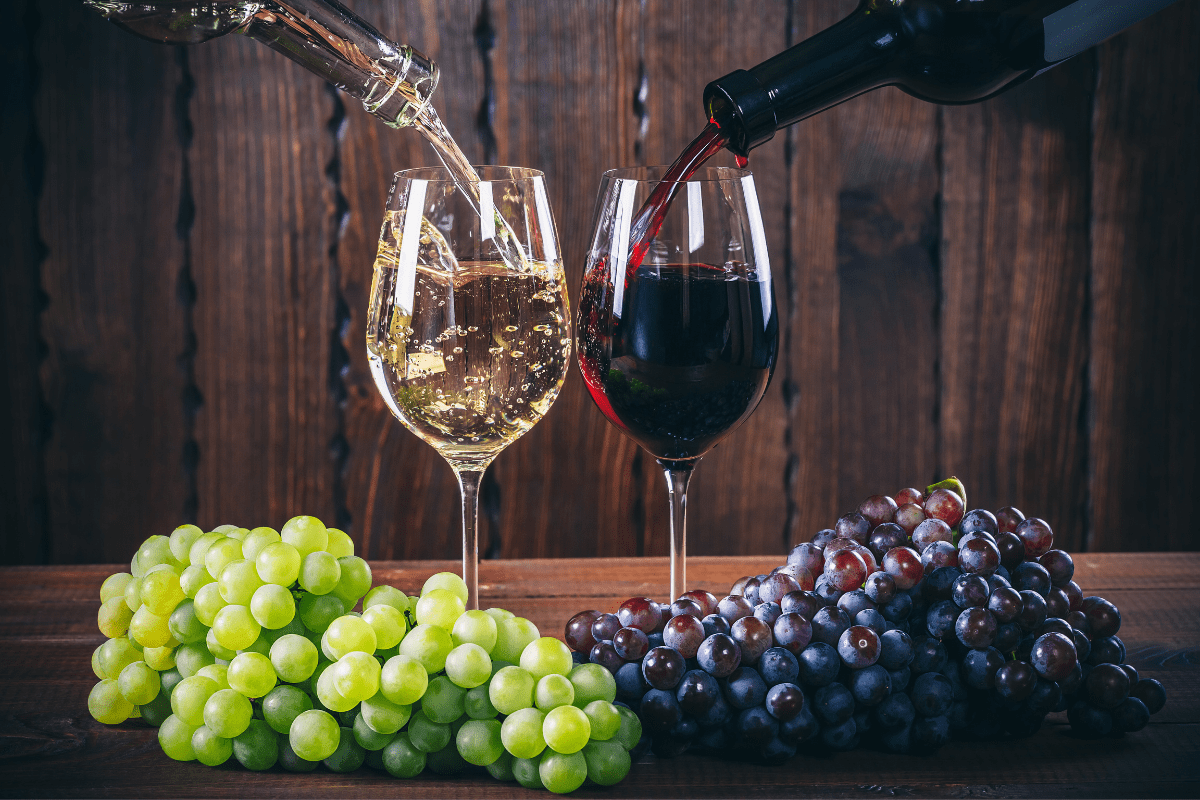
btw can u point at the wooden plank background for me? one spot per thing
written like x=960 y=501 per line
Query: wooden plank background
x=1005 y=291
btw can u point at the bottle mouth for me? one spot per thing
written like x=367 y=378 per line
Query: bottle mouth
x=654 y=174
x=741 y=107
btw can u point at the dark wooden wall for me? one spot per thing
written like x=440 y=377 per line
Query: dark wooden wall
x=1005 y=291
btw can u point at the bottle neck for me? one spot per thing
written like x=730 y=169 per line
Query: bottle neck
x=831 y=67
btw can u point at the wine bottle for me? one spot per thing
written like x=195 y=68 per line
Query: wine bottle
x=942 y=51
x=394 y=82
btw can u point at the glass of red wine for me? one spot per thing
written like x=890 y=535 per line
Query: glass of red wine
x=678 y=329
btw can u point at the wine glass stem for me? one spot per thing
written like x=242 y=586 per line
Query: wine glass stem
x=678 y=474
x=468 y=484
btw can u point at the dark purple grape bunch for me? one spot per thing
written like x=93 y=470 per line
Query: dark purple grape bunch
x=910 y=621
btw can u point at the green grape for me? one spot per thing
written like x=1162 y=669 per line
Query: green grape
x=603 y=718
x=319 y=573
x=350 y=633
x=114 y=617
x=192 y=579
x=282 y=705
x=227 y=712
x=306 y=534
x=430 y=645
x=478 y=742
x=185 y=625
x=114 y=586
x=294 y=658
x=225 y=530
x=526 y=773
x=499 y=614
x=607 y=762
x=561 y=772
x=446 y=762
x=170 y=678
x=478 y=705
x=448 y=581
x=592 y=682
x=189 y=697
x=175 y=739
x=139 y=683
x=220 y=553
x=238 y=581
x=157 y=710
x=402 y=759
x=160 y=658
x=272 y=606
x=356 y=676
x=368 y=738
x=251 y=674
x=553 y=691
x=426 y=735
x=476 y=627
x=256 y=540
x=181 y=541
x=314 y=735
x=294 y=627
x=511 y=689
x=107 y=704
x=322 y=665
x=383 y=716
x=630 y=732
x=208 y=602
x=217 y=673
x=386 y=595
x=501 y=769
x=439 y=607
x=149 y=629
x=512 y=635
x=340 y=545
x=329 y=695
x=278 y=563
x=133 y=594
x=349 y=754
x=154 y=551
x=257 y=747
x=443 y=701
x=189 y=658
x=292 y=762
x=566 y=729
x=318 y=611
x=116 y=654
x=134 y=567
x=546 y=656
x=403 y=680
x=218 y=650
x=211 y=750
x=235 y=627
x=521 y=733
x=355 y=579
x=96 y=668
x=374 y=758
x=468 y=666
x=200 y=547
x=388 y=623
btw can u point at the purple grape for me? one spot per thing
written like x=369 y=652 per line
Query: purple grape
x=938 y=554
x=1102 y=616
x=753 y=636
x=978 y=557
x=792 y=631
x=767 y=612
x=1150 y=692
x=1033 y=611
x=1036 y=536
x=683 y=633
x=979 y=520
x=855 y=601
x=605 y=626
x=979 y=667
x=976 y=627
x=697 y=692
x=803 y=603
x=744 y=688
x=858 y=647
x=686 y=606
x=1059 y=565
x=880 y=587
x=714 y=623
x=734 y=607
x=663 y=667
x=852 y=526
x=1015 y=680
x=630 y=643
x=1053 y=656
x=885 y=537
x=1107 y=686
x=878 y=509
x=1032 y=576
x=970 y=591
x=784 y=701
x=828 y=624
x=719 y=655
x=641 y=613
x=1012 y=549
x=606 y=656
x=775 y=586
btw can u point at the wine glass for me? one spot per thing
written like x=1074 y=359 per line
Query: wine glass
x=678 y=349
x=468 y=333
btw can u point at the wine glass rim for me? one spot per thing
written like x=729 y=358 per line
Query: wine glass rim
x=654 y=173
x=486 y=172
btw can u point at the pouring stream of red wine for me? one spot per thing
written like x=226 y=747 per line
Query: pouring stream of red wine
x=652 y=214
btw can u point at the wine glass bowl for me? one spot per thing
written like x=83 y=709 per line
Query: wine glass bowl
x=678 y=348
x=468 y=330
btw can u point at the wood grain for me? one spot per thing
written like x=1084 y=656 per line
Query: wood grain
x=1145 y=336
x=112 y=326
x=49 y=746
x=1014 y=348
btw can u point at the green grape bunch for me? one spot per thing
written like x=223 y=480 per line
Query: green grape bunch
x=272 y=648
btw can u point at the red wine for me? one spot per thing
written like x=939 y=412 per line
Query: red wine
x=686 y=360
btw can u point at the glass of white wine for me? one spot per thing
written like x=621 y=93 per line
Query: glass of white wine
x=469 y=333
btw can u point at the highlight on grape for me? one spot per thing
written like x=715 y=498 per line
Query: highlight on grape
x=909 y=622
x=247 y=645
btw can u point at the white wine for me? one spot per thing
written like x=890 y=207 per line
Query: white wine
x=474 y=356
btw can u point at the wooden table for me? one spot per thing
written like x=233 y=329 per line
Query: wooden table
x=50 y=746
